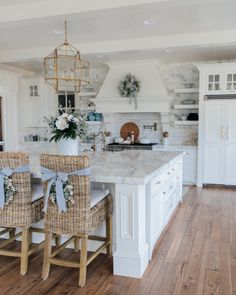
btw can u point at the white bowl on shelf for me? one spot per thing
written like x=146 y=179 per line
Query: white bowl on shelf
x=144 y=140
x=118 y=139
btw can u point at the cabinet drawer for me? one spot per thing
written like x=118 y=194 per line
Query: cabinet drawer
x=157 y=183
x=168 y=206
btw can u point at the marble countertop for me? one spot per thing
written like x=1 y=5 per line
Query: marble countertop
x=126 y=167
x=174 y=147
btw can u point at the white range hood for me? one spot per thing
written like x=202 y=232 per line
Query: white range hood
x=152 y=97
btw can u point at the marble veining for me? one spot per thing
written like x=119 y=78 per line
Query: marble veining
x=125 y=167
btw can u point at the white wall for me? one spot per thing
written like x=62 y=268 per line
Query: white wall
x=9 y=93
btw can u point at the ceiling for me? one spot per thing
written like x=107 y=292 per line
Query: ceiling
x=109 y=30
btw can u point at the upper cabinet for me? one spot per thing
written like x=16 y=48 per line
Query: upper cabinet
x=36 y=101
x=218 y=78
x=222 y=82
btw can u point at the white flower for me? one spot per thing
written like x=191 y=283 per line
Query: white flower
x=64 y=115
x=75 y=120
x=70 y=118
x=61 y=124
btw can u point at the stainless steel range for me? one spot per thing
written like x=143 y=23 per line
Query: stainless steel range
x=116 y=147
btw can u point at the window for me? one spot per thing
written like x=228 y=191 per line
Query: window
x=66 y=102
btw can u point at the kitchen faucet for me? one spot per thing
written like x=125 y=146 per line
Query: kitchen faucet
x=94 y=147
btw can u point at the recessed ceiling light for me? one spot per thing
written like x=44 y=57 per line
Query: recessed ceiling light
x=169 y=50
x=149 y=21
x=58 y=32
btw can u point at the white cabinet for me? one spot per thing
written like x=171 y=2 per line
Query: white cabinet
x=189 y=161
x=37 y=101
x=164 y=194
x=221 y=81
x=219 y=141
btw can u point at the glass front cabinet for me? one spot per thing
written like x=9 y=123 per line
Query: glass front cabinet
x=221 y=82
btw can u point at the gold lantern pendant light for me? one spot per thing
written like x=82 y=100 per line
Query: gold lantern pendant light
x=64 y=69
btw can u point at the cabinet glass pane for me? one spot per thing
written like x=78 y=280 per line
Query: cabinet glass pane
x=210 y=86
x=217 y=86
x=234 y=86
x=217 y=78
x=229 y=86
x=31 y=90
x=210 y=78
x=234 y=77
x=229 y=77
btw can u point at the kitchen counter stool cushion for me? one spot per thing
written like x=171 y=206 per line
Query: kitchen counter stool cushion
x=98 y=195
x=21 y=212
x=80 y=219
x=37 y=191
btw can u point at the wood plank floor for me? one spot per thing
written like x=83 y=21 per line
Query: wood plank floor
x=197 y=256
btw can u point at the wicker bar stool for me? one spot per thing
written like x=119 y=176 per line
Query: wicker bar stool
x=86 y=213
x=20 y=212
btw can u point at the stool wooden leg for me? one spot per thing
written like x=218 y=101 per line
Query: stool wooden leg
x=109 y=235
x=58 y=241
x=76 y=244
x=12 y=232
x=30 y=237
x=24 y=251
x=83 y=261
x=47 y=254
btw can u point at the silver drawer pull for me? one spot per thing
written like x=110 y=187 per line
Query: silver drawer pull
x=168 y=173
x=173 y=169
x=164 y=193
x=170 y=187
x=158 y=182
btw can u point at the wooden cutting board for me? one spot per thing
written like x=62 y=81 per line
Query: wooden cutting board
x=128 y=128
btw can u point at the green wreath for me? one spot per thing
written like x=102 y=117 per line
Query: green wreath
x=129 y=87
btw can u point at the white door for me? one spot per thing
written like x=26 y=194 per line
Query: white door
x=213 y=139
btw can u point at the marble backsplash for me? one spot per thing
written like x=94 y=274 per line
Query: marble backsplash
x=178 y=135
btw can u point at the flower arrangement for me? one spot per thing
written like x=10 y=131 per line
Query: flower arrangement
x=66 y=125
x=9 y=190
x=129 y=87
x=68 y=194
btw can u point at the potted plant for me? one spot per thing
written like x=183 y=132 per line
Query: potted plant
x=66 y=129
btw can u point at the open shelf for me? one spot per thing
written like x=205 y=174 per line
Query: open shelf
x=178 y=122
x=187 y=90
x=96 y=122
x=186 y=106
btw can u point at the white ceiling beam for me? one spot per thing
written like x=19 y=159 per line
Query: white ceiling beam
x=17 y=70
x=216 y=38
x=49 y=8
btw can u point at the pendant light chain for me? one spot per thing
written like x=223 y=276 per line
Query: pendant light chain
x=66 y=43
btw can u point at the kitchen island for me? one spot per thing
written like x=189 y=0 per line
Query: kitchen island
x=146 y=187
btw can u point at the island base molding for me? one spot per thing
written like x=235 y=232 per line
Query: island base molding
x=131 y=254
x=137 y=264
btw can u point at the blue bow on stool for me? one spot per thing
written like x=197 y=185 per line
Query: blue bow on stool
x=6 y=172
x=59 y=178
